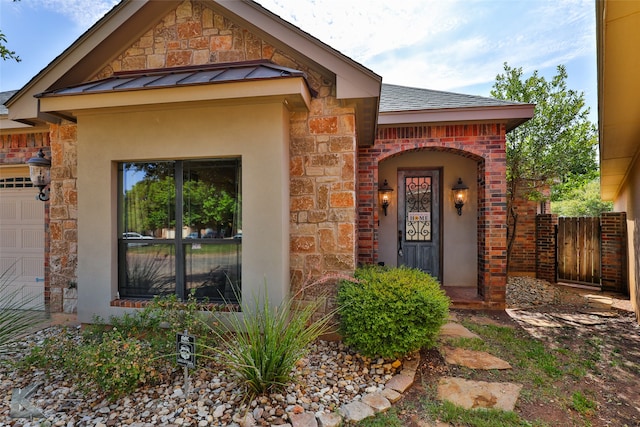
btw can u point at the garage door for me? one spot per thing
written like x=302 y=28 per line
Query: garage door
x=22 y=241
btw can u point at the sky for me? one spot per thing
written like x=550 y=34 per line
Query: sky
x=450 y=45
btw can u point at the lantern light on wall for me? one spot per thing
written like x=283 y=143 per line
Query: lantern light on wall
x=40 y=173
x=460 y=195
x=385 y=192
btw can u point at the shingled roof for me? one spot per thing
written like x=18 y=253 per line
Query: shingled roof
x=403 y=98
x=4 y=97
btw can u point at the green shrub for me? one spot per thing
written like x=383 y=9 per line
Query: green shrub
x=111 y=361
x=133 y=350
x=390 y=312
x=118 y=364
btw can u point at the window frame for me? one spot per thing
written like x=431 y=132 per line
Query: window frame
x=178 y=241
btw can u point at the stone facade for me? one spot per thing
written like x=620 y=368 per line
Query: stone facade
x=63 y=218
x=322 y=141
x=484 y=143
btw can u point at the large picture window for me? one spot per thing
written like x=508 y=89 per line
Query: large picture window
x=180 y=229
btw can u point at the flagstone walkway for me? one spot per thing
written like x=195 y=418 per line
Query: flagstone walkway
x=462 y=392
x=474 y=394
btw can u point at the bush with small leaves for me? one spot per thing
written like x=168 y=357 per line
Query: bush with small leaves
x=391 y=312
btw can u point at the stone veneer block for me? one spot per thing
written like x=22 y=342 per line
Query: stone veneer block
x=400 y=383
x=377 y=401
x=305 y=419
x=356 y=411
x=328 y=419
x=391 y=395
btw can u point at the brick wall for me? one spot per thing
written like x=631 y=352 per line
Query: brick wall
x=546 y=247
x=485 y=143
x=522 y=258
x=613 y=234
x=17 y=148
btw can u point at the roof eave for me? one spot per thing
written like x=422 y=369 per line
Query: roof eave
x=100 y=37
x=353 y=80
x=512 y=115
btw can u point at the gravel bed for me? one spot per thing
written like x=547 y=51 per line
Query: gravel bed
x=528 y=292
x=330 y=376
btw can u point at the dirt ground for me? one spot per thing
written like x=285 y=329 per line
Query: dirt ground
x=601 y=332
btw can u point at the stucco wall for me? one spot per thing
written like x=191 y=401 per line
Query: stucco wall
x=629 y=202
x=459 y=233
x=257 y=133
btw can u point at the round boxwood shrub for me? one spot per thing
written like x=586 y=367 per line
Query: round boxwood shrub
x=391 y=312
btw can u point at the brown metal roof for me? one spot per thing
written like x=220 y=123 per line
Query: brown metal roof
x=182 y=76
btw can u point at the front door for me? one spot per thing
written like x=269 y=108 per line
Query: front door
x=419 y=220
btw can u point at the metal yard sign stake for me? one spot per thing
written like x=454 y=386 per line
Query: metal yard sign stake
x=186 y=355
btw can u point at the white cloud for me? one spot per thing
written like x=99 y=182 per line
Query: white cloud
x=83 y=13
x=447 y=44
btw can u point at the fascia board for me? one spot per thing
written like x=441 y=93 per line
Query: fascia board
x=23 y=106
x=292 y=90
x=524 y=112
x=352 y=79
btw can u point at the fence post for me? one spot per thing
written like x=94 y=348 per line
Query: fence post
x=546 y=268
x=614 y=252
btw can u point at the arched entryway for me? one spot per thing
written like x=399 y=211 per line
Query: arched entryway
x=422 y=227
x=471 y=249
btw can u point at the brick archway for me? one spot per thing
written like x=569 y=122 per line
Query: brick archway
x=485 y=144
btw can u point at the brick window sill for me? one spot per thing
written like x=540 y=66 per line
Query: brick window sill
x=142 y=303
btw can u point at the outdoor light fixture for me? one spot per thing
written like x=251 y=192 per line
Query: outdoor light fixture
x=384 y=193
x=460 y=193
x=40 y=173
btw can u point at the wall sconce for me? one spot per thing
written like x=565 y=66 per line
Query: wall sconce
x=460 y=194
x=40 y=173
x=384 y=192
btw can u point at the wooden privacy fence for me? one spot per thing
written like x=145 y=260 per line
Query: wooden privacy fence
x=578 y=250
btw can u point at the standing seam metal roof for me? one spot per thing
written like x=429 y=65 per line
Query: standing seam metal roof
x=184 y=76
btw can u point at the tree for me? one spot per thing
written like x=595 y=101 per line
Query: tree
x=582 y=200
x=5 y=53
x=556 y=147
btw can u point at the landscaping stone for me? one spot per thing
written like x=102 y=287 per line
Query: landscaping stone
x=328 y=419
x=536 y=319
x=479 y=394
x=391 y=395
x=356 y=411
x=473 y=359
x=306 y=419
x=400 y=383
x=579 y=318
x=456 y=330
x=377 y=401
